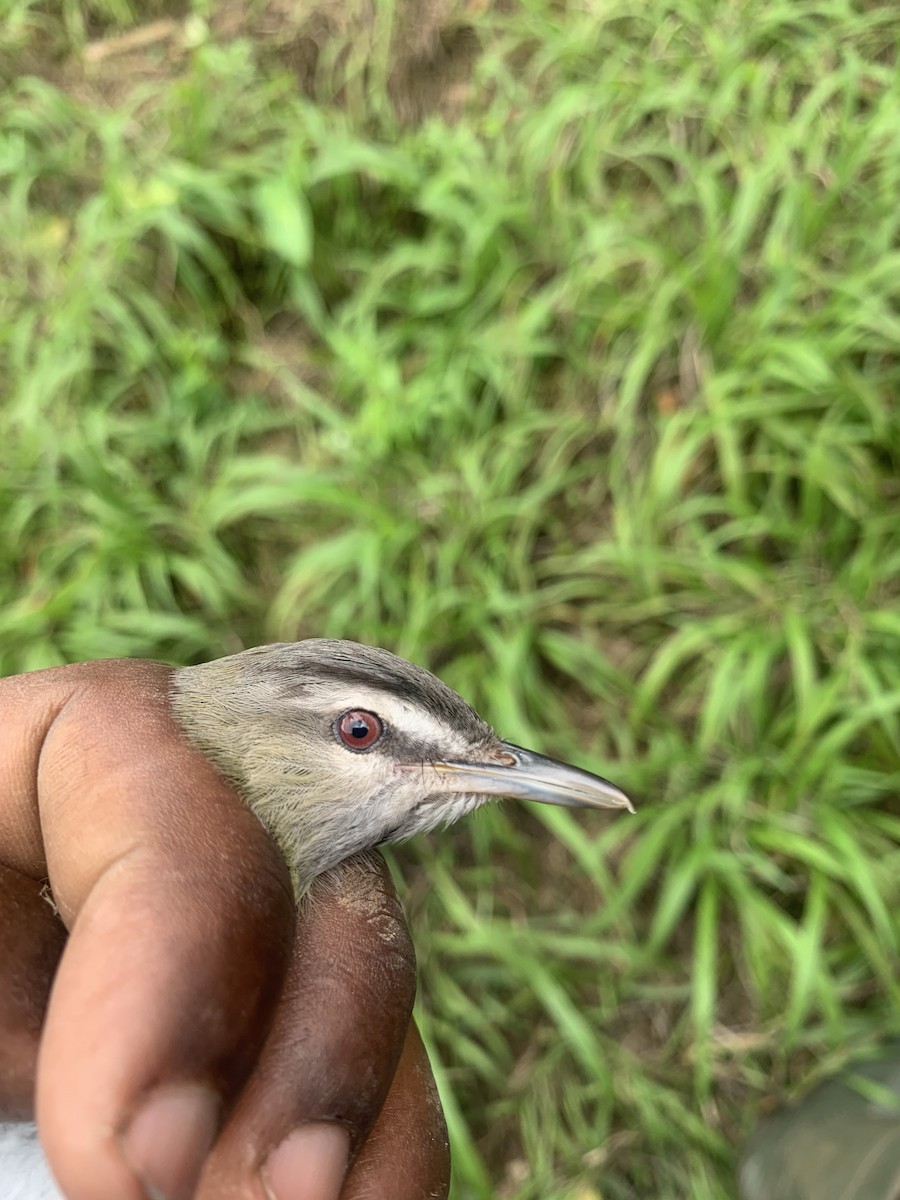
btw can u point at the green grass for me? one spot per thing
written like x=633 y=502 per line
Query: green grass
x=556 y=348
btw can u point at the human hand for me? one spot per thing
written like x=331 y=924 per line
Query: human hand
x=187 y=1033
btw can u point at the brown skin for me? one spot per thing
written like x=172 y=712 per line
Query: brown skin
x=180 y=964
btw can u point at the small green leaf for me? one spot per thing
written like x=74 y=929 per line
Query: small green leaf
x=285 y=220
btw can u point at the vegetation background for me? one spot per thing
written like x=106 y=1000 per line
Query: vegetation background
x=554 y=344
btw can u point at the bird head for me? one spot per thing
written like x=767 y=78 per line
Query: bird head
x=338 y=747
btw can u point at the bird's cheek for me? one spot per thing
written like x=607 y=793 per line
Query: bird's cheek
x=437 y=810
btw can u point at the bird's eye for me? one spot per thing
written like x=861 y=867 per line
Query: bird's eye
x=358 y=729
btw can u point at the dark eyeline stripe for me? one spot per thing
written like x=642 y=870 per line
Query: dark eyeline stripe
x=429 y=693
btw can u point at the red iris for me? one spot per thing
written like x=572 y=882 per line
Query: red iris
x=358 y=729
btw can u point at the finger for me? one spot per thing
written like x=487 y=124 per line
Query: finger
x=31 y=941
x=181 y=914
x=407 y=1154
x=333 y=1049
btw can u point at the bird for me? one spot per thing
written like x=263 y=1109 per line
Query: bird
x=338 y=747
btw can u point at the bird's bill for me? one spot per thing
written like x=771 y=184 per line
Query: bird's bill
x=525 y=775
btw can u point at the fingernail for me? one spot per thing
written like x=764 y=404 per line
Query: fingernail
x=310 y=1164
x=169 y=1137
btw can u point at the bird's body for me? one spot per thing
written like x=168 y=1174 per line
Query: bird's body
x=337 y=747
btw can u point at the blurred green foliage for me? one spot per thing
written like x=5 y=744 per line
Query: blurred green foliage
x=557 y=351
